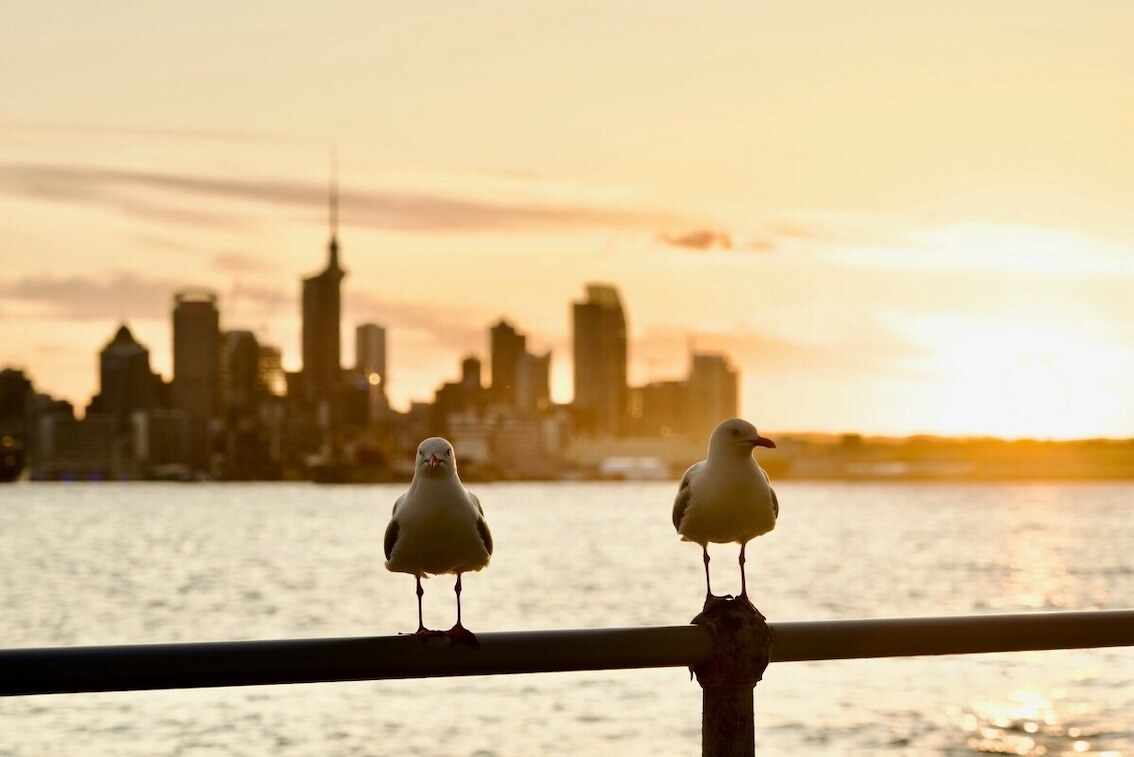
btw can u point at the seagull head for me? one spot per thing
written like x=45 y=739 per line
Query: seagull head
x=737 y=437
x=435 y=455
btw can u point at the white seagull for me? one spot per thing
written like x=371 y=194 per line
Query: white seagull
x=726 y=497
x=437 y=527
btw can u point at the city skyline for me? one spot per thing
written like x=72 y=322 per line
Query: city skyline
x=927 y=233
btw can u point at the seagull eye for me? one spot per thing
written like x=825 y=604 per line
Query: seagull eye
x=735 y=432
x=448 y=452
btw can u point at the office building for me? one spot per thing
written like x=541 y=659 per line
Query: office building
x=600 y=354
x=126 y=383
x=322 y=308
x=196 y=354
x=506 y=347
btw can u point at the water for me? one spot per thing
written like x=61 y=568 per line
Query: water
x=140 y=563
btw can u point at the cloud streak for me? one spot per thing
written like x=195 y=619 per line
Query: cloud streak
x=878 y=348
x=699 y=239
x=123 y=295
x=161 y=196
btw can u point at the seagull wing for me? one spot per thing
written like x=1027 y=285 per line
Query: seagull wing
x=391 y=538
x=775 y=499
x=481 y=523
x=476 y=503
x=485 y=534
x=684 y=494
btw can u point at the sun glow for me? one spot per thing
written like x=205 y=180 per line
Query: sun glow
x=1019 y=381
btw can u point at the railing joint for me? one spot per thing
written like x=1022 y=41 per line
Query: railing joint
x=741 y=651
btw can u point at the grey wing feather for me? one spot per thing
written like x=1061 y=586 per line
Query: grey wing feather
x=684 y=495
x=485 y=534
x=775 y=499
x=391 y=538
x=476 y=501
x=397 y=504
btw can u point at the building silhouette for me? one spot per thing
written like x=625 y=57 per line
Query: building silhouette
x=600 y=354
x=126 y=383
x=713 y=393
x=196 y=386
x=322 y=307
x=533 y=382
x=241 y=371
x=506 y=348
x=196 y=353
x=370 y=365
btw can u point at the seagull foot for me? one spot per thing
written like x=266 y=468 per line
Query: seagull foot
x=458 y=634
x=712 y=600
x=425 y=634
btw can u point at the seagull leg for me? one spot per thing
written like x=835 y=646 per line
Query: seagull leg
x=711 y=599
x=457 y=590
x=708 y=586
x=422 y=632
x=458 y=634
x=743 y=581
x=421 y=629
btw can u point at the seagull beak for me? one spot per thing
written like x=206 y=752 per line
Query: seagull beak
x=434 y=461
x=763 y=441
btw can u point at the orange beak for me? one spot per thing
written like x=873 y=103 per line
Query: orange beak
x=763 y=441
x=434 y=461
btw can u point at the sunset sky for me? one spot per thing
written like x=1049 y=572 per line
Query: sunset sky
x=895 y=217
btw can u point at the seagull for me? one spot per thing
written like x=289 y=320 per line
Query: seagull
x=726 y=497
x=437 y=527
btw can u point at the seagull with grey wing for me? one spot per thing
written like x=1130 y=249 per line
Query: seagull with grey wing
x=438 y=527
x=726 y=497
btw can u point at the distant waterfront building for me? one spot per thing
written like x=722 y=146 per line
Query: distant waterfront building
x=15 y=394
x=241 y=369
x=81 y=449
x=370 y=350
x=533 y=382
x=370 y=362
x=126 y=383
x=601 y=356
x=322 y=308
x=465 y=398
x=196 y=353
x=659 y=408
x=507 y=347
x=271 y=372
x=712 y=394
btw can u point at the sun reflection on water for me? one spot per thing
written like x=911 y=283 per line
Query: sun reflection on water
x=1029 y=723
x=1036 y=563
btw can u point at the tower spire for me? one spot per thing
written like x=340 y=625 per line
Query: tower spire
x=333 y=247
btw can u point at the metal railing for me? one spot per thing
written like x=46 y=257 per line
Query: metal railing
x=727 y=646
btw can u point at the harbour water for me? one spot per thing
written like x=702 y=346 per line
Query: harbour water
x=142 y=563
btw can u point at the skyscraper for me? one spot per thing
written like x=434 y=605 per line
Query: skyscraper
x=507 y=347
x=322 y=368
x=370 y=362
x=126 y=383
x=370 y=353
x=533 y=381
x=600 y=353
x=712 y=393
x=242 y=387
x=196 y=353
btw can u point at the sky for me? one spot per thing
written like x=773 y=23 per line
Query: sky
x=894 y=217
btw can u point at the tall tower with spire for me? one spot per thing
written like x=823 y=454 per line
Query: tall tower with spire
x=322 y=308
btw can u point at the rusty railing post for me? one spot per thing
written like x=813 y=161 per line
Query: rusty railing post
x=742 y=646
